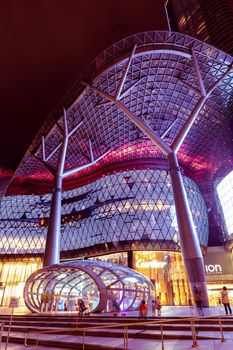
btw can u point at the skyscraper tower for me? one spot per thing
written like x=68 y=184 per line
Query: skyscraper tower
x=208 y=20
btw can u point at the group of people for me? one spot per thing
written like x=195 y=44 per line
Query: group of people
x=47 y=299
x=223 y=300
x=155 y=307
x=156 y=304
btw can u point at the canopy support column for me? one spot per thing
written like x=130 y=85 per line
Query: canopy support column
x=189 y=243
x=52 y=248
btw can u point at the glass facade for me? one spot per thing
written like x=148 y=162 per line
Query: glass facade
x=225 y=193
x=214 y=293
x=98 y=283
x=13 y=275
x=128 y=206
x=164 y=269
x=208 y=20
x=167 y=273
x=115 y=258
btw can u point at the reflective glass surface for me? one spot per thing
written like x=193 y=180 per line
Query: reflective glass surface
x=167 y=273
x=132 y=206
x=225 y=193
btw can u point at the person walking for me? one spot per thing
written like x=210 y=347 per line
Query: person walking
x=153 y=308
x=143 y=309
x=158 y=306
x=225 y=300
x=116 y=306
x=198 y=302
x=81 y=308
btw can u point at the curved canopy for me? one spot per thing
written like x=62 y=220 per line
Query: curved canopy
x=159 y=86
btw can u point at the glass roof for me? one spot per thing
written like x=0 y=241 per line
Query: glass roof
x=161 y=87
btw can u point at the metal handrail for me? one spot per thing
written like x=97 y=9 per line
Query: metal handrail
x=194 y=335
x=133 y=324
x=126 y=325
x=221 y=330
x=161 y=331
x=31 y=345
x=2 y=329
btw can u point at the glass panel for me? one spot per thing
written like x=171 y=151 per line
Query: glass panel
x=225 y=193
x=166 y=272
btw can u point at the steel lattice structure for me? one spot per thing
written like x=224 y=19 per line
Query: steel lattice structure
x=161 y=87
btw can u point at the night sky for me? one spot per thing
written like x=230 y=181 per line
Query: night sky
x=45 y=45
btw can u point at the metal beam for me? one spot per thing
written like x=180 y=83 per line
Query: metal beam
x=43 y=149
x=152 y=135
x=198 y=73
x=91 y=151
x=82 y=167
x=123 y=94
x=123 y=78
x=179 y=139
x=190 y=87
x=53 y=152
x=169 y=128
x=75 y=128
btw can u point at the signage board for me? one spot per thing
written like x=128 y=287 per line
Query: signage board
x=150 y=264
x=219 y=263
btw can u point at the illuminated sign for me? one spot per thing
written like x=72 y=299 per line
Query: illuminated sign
x=218 y=262
x=213 y=269
x=150 y=264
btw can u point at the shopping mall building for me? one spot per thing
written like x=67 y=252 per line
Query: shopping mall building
x=143 y=153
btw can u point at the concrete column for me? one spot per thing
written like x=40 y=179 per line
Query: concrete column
x=189 y=242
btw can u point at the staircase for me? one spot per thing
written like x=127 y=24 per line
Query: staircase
x=67 y=332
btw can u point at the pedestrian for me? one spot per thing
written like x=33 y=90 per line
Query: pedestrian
x=42 y=304
x=198 y=301
x=225 y=300
x=81 y=308
x=153 y=308
x=158 y=305
x=56 y=299
x=116 y=307
x=143 y=309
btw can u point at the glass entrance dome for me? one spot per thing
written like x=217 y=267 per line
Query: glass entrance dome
x=99 y=284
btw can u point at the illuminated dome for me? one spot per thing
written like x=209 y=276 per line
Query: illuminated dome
x=96 y=282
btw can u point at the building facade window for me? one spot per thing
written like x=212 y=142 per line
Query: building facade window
x=127 y=206
x=225 y=194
